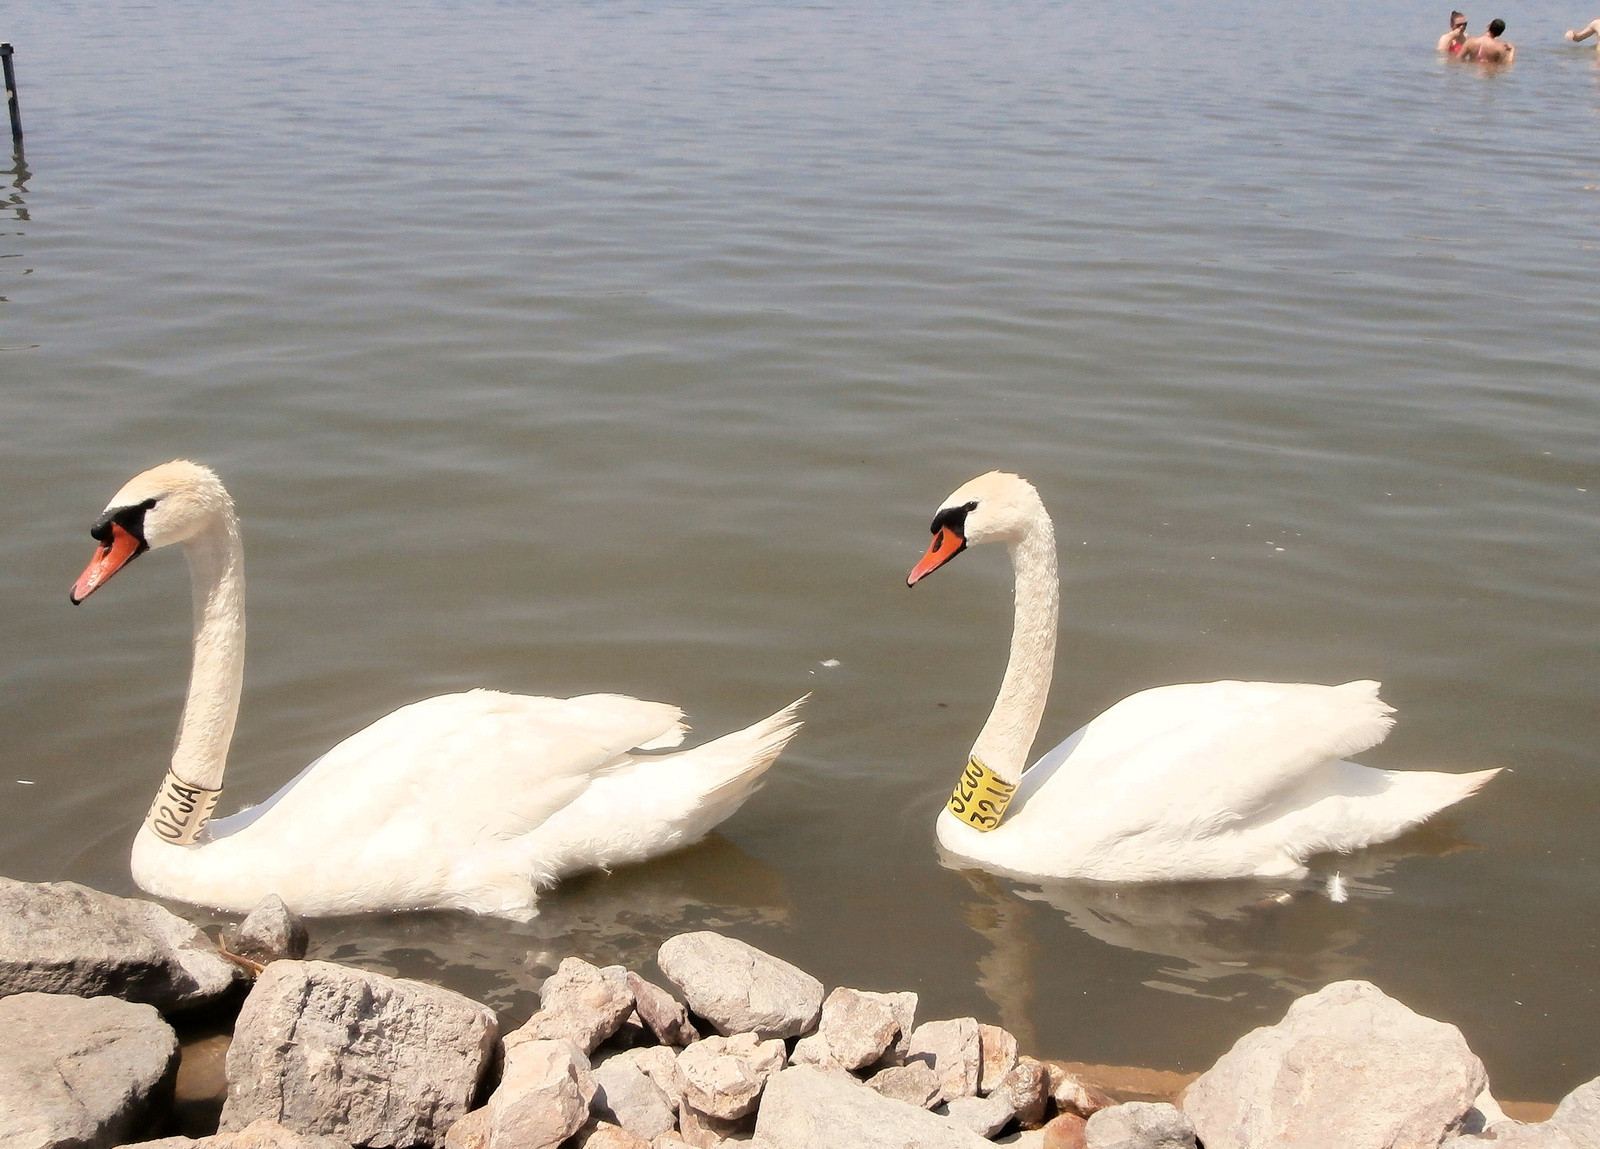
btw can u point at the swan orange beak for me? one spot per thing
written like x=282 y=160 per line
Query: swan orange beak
x=946 y=545
x=114 y=554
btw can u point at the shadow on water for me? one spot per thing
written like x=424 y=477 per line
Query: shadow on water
x=1227 y=937
x=616 y=918
x=15 y=206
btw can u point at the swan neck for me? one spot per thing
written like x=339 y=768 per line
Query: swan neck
x=1008 y=735
x=216 y=677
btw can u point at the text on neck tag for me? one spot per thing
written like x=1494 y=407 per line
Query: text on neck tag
x=981 y=796
x=180 y=811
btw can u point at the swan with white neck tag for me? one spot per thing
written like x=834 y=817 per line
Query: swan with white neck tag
x=1196 y=781
x=467 y=801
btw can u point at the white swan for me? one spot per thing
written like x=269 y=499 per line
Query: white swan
x=465 y=801
x=1192 y=782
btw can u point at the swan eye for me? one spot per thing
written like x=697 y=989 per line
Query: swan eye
x=972 y=506
x=952 y=519
x=130 y=519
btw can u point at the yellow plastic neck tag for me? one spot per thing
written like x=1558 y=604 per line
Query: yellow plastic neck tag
x=981 y=797
x=180 y=811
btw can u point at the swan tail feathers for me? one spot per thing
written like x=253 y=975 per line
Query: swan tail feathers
x=731 y=767
x=1367 y=720
x=1376 y=806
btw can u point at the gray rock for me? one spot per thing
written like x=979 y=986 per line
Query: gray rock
x=602 y=1135
x=372 y=1060
x=580 y=1003
x=985 y=1116
x=806 y=1108
x=261 y=1134
x=857 y=1027
x=81 y=1073
x=660 y=1064
x=1578 y=1115
x=723 y=1077
x=543 y=1097
x=666 y=1016
x=1027 y=1089
x=706 y=1132
x=271 y=933
x=626 y=1096
x=61 y=937
x=1140 y=1125
x=739 y=989
x=1347 y=1066
x=915 y=1084
x=953 y=1050
x=904 y=1007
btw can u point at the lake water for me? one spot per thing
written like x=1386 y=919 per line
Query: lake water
x=564 y=347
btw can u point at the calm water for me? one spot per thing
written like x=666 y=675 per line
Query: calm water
x=559 y=347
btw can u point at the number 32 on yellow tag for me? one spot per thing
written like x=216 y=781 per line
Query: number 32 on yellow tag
x=980 y=797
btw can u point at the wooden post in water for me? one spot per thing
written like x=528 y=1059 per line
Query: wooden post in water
x=11 y=96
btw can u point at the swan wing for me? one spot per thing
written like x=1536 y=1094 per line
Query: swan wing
x=1197 y=759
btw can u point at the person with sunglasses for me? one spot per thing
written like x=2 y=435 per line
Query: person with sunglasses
x=1452 y=40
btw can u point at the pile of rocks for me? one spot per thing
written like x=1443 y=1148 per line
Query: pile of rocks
x=750 y=1051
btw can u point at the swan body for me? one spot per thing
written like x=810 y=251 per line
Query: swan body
x=468 y=801
x=1195 y=781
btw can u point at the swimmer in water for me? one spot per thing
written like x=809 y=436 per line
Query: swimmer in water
x=1489 y=48
x=1590 y=29
x=1452 y=40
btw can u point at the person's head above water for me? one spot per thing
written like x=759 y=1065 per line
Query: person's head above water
x=1496 y=27
x=1457 y=20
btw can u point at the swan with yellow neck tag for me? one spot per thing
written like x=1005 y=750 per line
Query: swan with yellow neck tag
x=1197 y=781
x=469 y=801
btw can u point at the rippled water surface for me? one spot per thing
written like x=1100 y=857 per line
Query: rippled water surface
x=559 y=347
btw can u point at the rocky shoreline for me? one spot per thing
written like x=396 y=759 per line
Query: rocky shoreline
x=750 y=1050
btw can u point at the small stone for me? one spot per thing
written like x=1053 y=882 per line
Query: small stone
x=999 y=1051
x=1072 y=1094
x=1027 y=1088
x=579 y=1003
x=543 y=1097
x=814 y=1050
x=262 y=1134
x=63 y=938
x=723 y=1077
x=347 y=1053
x=1348 y=1065
x=271 y=933
x=1140 y=1125
x=83 y=1073
x=1066 y=1131
x=915 y=1084
x=953 y=1051
x=666 y=1016
x=985 y=1116
x=626 y=1096
x=805 y=1108
x=740 y=989
x=603 y=1135
x=706 y=1132
x=904 y=1007
x=470 y=1132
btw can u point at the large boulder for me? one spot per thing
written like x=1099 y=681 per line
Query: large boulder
x=806 y=1108
x=1347 y=1066
x=579 y=1003
x=81 y=1073
x=739 y=989
x=1578 y=1115
x=60 y=937
x=999 y=1050
x=346 y=1053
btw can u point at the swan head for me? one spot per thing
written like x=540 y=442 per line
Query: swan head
x=167 y=504
x=997 y=507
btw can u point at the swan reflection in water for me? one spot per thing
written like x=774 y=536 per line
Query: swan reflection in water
x=1228 y=939
x=620 y=918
